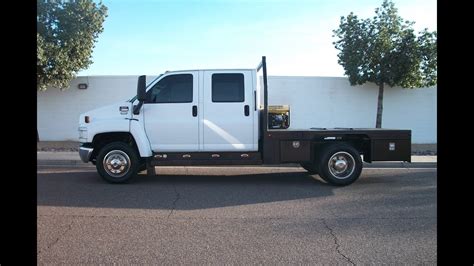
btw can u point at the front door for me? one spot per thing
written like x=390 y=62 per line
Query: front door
x=228 y=111
x=170 y=113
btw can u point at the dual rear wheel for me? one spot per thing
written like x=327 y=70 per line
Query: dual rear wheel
x=338 y=164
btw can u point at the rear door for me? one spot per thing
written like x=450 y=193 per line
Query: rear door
x=170 y=114
x=228 y=111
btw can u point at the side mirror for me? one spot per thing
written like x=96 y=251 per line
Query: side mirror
x=141 y=88
x=141 y=94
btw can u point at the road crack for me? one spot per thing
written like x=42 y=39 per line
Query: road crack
x=69 y=227
x=336 y=242
x=173 y=206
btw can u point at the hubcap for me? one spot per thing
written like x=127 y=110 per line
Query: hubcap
x=116 y=163
x=341 y=165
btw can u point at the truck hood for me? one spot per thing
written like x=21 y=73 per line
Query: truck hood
x=108 y=112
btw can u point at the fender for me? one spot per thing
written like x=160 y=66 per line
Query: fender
x=105 y=126
x=122 y=125
x=138 y=133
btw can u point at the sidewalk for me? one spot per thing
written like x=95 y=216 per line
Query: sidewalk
x=72 y=159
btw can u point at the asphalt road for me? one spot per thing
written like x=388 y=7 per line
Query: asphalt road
x=235 y=215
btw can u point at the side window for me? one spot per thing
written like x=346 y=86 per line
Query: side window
x=227 y=87
x=172 y=89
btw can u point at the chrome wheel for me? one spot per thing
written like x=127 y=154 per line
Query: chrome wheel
x=341 y=165
x=116 y=163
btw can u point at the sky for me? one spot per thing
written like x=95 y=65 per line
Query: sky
x=152 y=36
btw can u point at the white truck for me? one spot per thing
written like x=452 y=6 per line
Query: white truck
x=222 y=117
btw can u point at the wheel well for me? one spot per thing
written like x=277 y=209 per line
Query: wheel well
x=360 y=142
x=102 y=139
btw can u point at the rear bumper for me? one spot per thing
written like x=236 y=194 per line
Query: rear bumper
x=85 y=153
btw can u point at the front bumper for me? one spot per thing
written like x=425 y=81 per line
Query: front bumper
x=85 y=153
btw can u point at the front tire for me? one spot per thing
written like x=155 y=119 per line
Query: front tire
x=142 y=166
x=340 y=164
x=117 y=162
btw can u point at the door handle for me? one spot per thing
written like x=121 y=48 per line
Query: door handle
x=195 y=110
x=246 y=110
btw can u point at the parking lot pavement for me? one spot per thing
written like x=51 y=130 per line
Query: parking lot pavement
x=245 y=215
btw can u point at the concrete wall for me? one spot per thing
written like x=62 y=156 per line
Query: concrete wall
x=58 y=111
x=332 y=102
x=314 y=102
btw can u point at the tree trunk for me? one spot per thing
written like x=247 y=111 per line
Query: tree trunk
x=378 y=123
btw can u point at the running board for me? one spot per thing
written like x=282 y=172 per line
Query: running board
x=206 y=158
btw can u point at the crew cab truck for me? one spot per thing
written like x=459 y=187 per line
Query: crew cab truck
x=222 y=117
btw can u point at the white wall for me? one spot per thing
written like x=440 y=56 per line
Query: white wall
x=314 y=102
x=333 y=102
x=58 y=111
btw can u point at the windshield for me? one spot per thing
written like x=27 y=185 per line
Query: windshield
x=135 y=97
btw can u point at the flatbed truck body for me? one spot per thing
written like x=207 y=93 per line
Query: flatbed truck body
x=222 y=117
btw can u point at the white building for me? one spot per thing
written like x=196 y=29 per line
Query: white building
x=314 y=102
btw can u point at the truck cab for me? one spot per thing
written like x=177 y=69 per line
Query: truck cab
x=220 y=117
x=201 y=111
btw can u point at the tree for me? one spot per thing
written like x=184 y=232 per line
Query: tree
x=385 y=50
x=66 y=33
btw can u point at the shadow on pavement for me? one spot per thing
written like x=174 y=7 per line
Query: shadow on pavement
x=80 y=188
x=387 y=192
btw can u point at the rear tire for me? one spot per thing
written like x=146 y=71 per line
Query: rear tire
x=310 y=167
x=340 y=164
x=117 y=162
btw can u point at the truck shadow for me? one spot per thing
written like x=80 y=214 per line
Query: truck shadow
x=84 y=188
x=388 y=192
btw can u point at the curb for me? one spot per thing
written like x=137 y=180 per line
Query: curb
x=401 y=165
x=62 y=162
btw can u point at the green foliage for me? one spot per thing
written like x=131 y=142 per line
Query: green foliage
x=385 y=50
x=66 y=33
